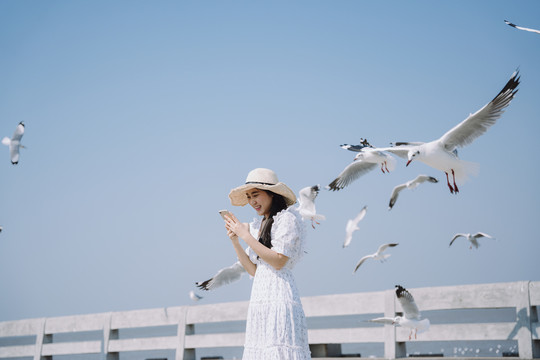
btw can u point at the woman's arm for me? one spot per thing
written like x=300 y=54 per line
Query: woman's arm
x=274 y=259
x=244 y=259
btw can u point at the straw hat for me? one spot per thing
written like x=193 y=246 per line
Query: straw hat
x=264 y=179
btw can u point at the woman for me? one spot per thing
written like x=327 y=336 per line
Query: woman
x=276 y=325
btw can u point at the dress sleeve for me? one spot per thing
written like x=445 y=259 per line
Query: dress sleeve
x=286 y=234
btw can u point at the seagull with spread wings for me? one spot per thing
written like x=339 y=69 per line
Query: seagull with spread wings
x=366 y=160
x=15 y=143
x=473 y=239
x=376 y=256
x=306 y=206
x=411 y=184
x=441 y=154
x=411 y=318
x=223 y=277
x=352 y=226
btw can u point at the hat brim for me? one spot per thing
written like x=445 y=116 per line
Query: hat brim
x=238 y=195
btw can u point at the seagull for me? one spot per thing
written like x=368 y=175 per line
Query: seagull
x=223 y=277
x=365 y=161
x=521 y=28
x=352 y=226
x=441 y=154
x=194 y=297
x=15 y=143
x=411 y=184
x=306 y=206
x=411 y=318
x=377 y=256
x=473 y=239
x=357 y=148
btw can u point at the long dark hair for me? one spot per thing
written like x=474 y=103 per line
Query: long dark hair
x=278 y=204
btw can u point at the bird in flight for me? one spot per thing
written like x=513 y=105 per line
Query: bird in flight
x=521 y=28
x=411 y=318
x=411 y=184
x=472 y=238
x=306 y=206
x=14 y=143
x=442 y=154
x=376 y=256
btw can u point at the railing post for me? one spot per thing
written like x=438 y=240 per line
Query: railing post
x=534 y=319
x=42 y=338
x=183 y=330
x=392 y=349
x=523 y=321
x=108 y=335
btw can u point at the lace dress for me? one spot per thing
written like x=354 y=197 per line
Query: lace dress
x=276 y=325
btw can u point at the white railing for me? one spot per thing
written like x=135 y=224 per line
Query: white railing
x=523 y=296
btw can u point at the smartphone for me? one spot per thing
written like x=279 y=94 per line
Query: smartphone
x=223 y=213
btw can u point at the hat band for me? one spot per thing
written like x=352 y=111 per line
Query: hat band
x=259 y=183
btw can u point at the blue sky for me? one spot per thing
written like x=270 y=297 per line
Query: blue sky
x=141 y=116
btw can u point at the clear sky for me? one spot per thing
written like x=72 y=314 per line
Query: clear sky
x=142 y=115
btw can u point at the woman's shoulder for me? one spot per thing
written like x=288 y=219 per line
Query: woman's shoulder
x=289 y=215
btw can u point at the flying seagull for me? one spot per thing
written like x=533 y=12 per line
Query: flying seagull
x=411 y=184
x=357 y=148
x=352 y=226
x=376 y=256
x=441 y=154
x=365 y=161
x=473 y=239
x=223 y=277
x=306 y=206
x=194 y=297
x=15 y=143
x=411 y=318
x=521 y=28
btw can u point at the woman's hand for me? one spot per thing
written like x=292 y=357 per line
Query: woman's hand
x=232 y=236
x=235 y=227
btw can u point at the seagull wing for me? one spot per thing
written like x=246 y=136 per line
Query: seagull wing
x=477 y=124
x=14 y=153
x=521 y=28
x=223 y=277
x=407 y=303
x=19 y=131
x=348 y=239
x=455 y=237
x=401 y=149
x=395 y=194
x=360 y=215
x=385 y=246
x=355 y=148
x=352 y=172
x=310 y=192
x=383 y=320
x=306 y=197
x=352 y=226
x=362 y=261
x=421 y=179
x=481 y=234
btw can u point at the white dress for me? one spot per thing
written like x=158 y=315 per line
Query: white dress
x=276 y=325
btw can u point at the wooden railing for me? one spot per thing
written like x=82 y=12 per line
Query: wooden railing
x=523 y=296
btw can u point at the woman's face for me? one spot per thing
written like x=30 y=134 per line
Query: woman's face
x=260 y=200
